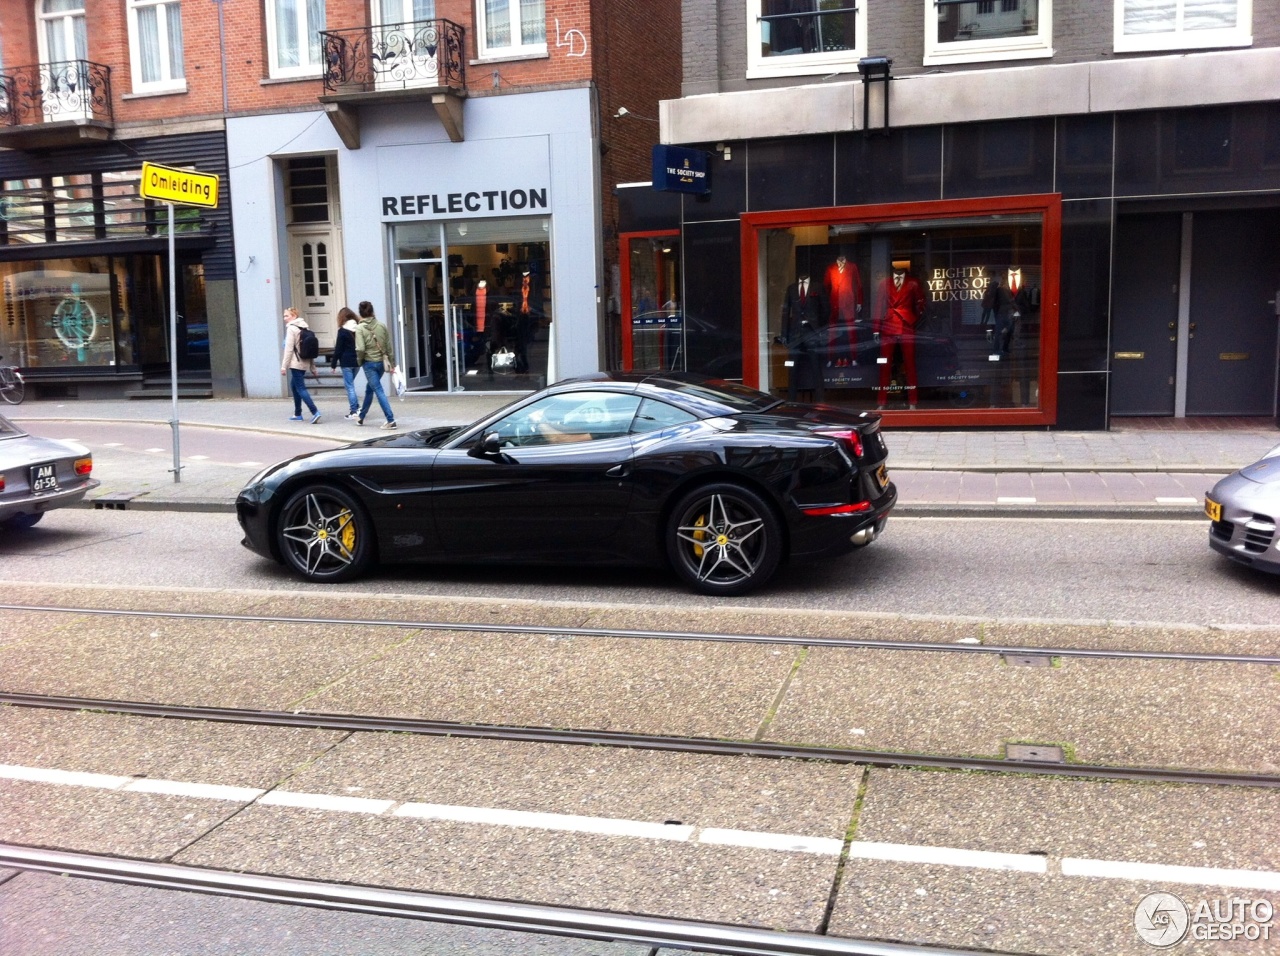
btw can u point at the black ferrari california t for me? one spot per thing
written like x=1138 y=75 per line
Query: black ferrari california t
x=720 y=482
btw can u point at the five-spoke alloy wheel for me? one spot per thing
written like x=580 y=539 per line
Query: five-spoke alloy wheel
x=324 y=535
x=724 y=539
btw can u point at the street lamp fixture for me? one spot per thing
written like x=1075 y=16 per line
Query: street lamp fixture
x=875 y=69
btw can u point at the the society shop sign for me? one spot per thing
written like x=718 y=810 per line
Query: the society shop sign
x=487 y=178
x=681 y=170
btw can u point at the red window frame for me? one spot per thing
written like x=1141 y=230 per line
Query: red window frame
x=1048 y=206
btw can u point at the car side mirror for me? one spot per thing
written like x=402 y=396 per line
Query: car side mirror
x=490 y=445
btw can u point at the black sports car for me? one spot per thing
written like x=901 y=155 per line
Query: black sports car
x=719 y=481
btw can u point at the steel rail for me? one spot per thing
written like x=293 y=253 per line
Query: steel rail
x=358 y=723
x=600 y=925
x=542 y=630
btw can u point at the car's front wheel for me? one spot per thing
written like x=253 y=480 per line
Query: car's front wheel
x=724 y=540
x=324 y=535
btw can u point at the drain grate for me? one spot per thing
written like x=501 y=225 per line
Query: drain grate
x=1043 y=753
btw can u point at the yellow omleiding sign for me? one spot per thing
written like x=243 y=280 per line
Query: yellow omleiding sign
x=183 y=186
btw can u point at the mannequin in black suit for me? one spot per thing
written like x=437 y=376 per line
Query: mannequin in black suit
x=803 y=307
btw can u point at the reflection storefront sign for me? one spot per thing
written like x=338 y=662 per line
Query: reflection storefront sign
x=680 y=169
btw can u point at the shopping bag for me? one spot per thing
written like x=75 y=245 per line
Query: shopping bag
x=397 y=379
x=503 y=358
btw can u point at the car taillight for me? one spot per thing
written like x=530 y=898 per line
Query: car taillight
x=1 y=482
x=851 y=509
x=84 y=465
x=851 y=438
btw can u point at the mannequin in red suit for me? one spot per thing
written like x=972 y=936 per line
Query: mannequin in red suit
x=903 y=306
x=843 y=286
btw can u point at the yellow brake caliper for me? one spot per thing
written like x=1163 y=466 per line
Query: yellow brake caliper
x=699 y=536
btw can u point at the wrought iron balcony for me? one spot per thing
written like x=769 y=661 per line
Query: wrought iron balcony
x=423 y=54
x=55 y=103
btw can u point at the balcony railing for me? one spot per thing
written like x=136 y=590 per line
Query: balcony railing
x=394 y=56
x=66 y=91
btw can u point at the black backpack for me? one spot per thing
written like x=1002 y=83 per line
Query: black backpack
x=308 y=346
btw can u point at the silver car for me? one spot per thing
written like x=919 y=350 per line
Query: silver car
x=1245 y=509
x=39 y=474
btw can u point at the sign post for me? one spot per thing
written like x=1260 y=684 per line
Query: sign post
x=173 y=187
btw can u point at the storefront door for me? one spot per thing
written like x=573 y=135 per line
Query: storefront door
x=421 y=321
x=1193 y=331
x=1231 y=360
x=1144 y=314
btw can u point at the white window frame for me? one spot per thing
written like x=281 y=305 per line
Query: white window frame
x=1179 y=39
x=166 y=84
x=803 y=64
x=978 y=51
x=518 y=48
x=68 y=26
x=274 y=70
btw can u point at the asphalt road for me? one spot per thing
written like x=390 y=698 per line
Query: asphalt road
x=1057 y=570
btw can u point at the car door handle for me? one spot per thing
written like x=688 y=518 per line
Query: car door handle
x=619 y=471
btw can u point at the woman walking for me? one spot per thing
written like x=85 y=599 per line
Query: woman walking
x=297 y=367
x=344 y=357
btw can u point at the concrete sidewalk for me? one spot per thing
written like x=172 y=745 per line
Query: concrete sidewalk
x=1131 y=471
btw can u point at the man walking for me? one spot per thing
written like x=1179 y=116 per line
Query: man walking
x=298 y=362
x=373 y=350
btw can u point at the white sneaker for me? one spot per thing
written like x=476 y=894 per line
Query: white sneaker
x=389 y=425
x=352 y=417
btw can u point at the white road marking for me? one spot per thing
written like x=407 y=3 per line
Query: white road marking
x=1164 y=873
x=1177 y=501
x=678 y=832
x=1014 y=500
x=197 y=457
x=948 y=856
x=250 y=464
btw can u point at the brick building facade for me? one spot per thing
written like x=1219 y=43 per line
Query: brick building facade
x=311 y=125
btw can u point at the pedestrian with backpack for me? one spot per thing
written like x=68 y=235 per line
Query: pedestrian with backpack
x=300 y=350
x=373 y=349
x=344 y=357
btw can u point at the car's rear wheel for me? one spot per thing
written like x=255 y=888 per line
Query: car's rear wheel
x=324 y=534
x=724 y=539
x=22 y=522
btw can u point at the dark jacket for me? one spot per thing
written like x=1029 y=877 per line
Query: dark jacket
x=344 y=349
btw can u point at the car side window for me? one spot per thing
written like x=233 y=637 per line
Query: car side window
x=654 y=416
x=568 y=418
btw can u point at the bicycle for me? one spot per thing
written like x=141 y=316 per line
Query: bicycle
x=12 y=387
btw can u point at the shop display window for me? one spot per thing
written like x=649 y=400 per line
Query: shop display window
x=916 y=313
x=475 y=307
x=653 y=316
x=60 y=314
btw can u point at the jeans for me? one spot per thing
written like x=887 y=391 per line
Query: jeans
x=373 y=378
x=298 y=388
x=349 y=382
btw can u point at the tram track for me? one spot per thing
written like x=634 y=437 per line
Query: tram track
x=537 y=630
x=357 y=723
x=602 y=925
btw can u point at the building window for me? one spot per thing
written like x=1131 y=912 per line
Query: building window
x=797 y=37
x=960 y=31
x=155 y=45
x=62 y=30
x=1182 y=24
x=308 y=190
x=512 y=27
x=293 y=37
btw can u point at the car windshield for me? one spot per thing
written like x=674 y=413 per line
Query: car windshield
x=732 y=394
x=8 y=429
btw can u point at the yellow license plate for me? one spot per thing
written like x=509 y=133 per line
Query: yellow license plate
x=1212 y=509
